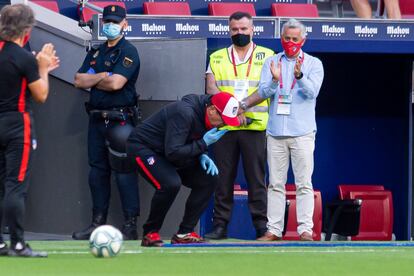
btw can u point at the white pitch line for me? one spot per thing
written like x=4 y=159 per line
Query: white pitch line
x=235 y=251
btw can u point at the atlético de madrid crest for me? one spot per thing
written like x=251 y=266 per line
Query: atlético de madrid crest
x=151 y=160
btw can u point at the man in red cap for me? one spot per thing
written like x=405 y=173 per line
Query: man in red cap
x=170 y=150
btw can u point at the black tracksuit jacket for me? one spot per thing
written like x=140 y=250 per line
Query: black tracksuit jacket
x=176 y=131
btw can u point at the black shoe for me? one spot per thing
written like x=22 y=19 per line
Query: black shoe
x=24 y=250
x=4 y=249
x=97 y=220
x=129 y=229
x=260 y=232
x=218 y=233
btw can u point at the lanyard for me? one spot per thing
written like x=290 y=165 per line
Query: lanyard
x=281 y=78
x=234 y=63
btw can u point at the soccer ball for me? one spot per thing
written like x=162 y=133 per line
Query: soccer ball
x=105 y=241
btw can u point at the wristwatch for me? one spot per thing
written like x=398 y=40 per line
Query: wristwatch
x=243 y=105
x=300 y=76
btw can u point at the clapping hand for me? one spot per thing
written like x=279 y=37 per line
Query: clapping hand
x=275 y=70
x=298 y=67
x=47 y=58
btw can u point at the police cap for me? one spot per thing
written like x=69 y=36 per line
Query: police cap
x=114 y=13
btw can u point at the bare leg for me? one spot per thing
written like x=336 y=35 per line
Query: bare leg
x=393 y=9
x=362 y=8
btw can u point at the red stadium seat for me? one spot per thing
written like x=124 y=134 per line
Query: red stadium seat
x=291 y=228
x=376 y=210
x=49 y=4
x=226 y=9
x=167 y=8
x=87 y=13
x=377 y=215
x=345 y=189
x=407 y=9
x=295 y=10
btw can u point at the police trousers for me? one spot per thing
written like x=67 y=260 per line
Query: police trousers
x=100 y=172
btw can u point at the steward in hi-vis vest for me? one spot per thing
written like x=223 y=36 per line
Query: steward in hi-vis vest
x=237 y=70
x=242 y=80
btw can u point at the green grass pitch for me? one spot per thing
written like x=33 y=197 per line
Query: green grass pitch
x=73 y=258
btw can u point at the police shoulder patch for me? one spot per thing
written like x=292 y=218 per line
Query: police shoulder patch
x=127 y=62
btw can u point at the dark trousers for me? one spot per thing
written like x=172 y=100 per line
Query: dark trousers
x=100 y=173
x=252 y=147
x=167 y=180
x=16 y=137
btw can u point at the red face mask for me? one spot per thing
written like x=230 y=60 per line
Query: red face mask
x=291 y=48
x=26 y=39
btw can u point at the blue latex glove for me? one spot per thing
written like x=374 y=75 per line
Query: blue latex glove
x=109 y=74
x=208 y=164
x=213 y=135
x=90 y=71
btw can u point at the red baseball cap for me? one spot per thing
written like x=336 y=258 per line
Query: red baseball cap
x=227 y=106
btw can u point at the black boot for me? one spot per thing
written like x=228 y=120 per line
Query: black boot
x=219 y=232
x=97 y=220
x=129 y=229
x=22 y=249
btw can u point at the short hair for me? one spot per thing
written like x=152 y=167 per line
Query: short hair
x=15 y=20
x=294 y=24
x=239 y=15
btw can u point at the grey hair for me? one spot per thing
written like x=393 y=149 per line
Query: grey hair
x=293 y=24
x=15 y=20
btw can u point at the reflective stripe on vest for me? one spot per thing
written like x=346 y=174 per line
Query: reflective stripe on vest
x=252 y=83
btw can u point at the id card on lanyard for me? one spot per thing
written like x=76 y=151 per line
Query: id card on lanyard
x=284 y=101
x=241 y=86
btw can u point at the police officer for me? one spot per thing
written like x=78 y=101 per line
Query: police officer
x=110 y=71
x=22 y=76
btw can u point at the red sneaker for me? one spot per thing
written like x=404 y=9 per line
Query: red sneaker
x=192 y=237
x=152 y=239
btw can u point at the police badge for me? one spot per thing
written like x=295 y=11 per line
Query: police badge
x=127 y=62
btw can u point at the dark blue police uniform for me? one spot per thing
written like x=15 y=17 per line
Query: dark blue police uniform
x=120 y=59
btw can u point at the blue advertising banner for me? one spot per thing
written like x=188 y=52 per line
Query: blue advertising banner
x=173 y=27
x=262 y=7
x=265 y=28
x=358 y=30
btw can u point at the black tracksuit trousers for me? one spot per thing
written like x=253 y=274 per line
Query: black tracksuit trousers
x=167 y=180
x=16 y=137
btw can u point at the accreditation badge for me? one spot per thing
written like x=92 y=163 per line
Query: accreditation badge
x=241 y=89
x=284 y=104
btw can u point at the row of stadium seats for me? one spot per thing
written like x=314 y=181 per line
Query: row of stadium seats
x=369 y=208
x=406 y=7
x=183 y=8
x=225 y=9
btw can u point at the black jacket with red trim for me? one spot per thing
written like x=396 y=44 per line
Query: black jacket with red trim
x=176 y=131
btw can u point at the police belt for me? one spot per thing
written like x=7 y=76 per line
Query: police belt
x=119 y=114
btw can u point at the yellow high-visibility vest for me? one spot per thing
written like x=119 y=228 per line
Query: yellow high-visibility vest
x=222 y=67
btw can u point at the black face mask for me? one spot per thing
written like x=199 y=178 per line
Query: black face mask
x=240 y=40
